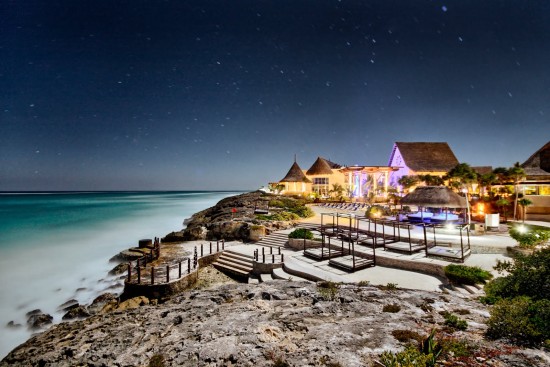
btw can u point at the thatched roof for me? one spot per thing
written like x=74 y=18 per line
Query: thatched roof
x=434 y=197
x=538 y=165
x=295 y=174
x=483 y=170
x=321 y=167
x=426 y=157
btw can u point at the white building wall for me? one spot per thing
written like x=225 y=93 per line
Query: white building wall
x=397 y=161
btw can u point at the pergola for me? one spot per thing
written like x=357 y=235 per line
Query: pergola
x=357 y=176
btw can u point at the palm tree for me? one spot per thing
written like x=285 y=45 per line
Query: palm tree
x=461 y=175
x=407 y=182
x=430 y=180
x=516 y=173
x=524 y=202
x=337 y=189
x=486 y=181
x=502 y=203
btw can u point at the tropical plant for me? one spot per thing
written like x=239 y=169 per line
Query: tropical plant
x=486 y=181
x=524 y=202
x=502 y=204
x=407 y=182
x=430 y=180
x=276 y=187
x=337 y=189
x=516 y=173
x=529 y=237
x=461 y=175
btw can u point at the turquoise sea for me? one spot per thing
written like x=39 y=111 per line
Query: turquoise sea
x=56 y=246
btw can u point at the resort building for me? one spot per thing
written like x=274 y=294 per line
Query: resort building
x=536 y=186
x=356 y=182
x=420 y=158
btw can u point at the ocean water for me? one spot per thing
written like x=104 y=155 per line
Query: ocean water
x=56 y=246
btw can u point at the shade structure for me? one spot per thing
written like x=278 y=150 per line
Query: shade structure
x=295 y=174
x=434 y=197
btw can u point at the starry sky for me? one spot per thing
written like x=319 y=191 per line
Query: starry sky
x=220 y=95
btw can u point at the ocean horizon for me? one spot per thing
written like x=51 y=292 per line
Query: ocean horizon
x=56 y=245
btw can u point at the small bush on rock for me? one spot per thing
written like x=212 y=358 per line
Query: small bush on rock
x=328 y=290
x=462 y=274
x=455 y=322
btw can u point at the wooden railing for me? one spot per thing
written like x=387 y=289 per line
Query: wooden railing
x=269 y=258
x=139 y=273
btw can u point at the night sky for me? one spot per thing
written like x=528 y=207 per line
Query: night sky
x=163 y=95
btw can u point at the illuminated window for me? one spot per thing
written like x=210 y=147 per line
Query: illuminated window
x=544 y=190
x=320 y=181
x=530 y=190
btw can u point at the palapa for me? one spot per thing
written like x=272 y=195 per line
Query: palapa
x=321 y=167
x=434 y=197
x=295 y=174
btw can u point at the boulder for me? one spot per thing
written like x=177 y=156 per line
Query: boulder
x=100 y=303
x=38 y=320
x=13 y=325
x=119 y=269
x=133 y=303
x=72 y=303
x=79 y=312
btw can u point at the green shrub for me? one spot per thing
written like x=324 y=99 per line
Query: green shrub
x=529 y=238
x=275 y=203
x=521 y=319
x=410 y=357
x=455 y=322
x=462 y=274
x=528 y=275
x=376 y=212
x=328 y=290
x=281 y=216
x=457 y=347
x=389 y=287
x=301 y=233
x=303 y=211
x=363 y=283
x=393 y=308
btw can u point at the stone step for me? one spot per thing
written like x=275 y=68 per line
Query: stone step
x=224 y=268
x=460 y=290
x=470 y=288
x=234 y=264
x=279 y=273
x=237 y=260
x=238 y=255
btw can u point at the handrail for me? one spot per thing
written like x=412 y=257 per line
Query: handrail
x=169 y=272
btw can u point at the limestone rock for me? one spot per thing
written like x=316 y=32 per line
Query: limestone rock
x=257 y=325
x=119 y=269
x=133 y=303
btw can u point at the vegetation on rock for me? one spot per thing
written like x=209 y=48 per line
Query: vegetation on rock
x=521 y=299
x=462 y=274
x=528 y=237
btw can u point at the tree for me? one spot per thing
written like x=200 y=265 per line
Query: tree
x=462 y=174
x=337 y=189
x=502 y=203
x=516 y=173
x=524 y=202
x=276 y=187
x=486 y=181
x=430 y=180
x=407 y=182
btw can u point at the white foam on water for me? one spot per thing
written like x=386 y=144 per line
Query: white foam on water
x=49 y=269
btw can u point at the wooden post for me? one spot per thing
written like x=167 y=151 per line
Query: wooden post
x=138 y=263
x=152 y=275
x=279 y=250
x=217 y=246
x=129 y=271
x=270 y=250
x=202 y=251
x=139 y=275
x=223 y=244
x=263 y=257
x=211 y=248
x=272 y=258
x=282 y=258
x=188 y=265
x=144 y=257
x=167 y=273
x=179 y=270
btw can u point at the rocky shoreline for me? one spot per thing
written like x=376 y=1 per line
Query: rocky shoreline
x=223 y=323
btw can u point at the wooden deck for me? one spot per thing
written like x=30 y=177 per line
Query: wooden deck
x=346 y=262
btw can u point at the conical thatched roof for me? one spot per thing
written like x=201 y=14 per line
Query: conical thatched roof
x=295 y=174
x=537 y=167
x=320 y=167
x=434 y=197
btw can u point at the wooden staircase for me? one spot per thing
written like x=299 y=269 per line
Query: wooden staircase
x=234 y=263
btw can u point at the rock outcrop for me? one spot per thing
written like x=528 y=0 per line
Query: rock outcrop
x=278 y=323
x=230 y=219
